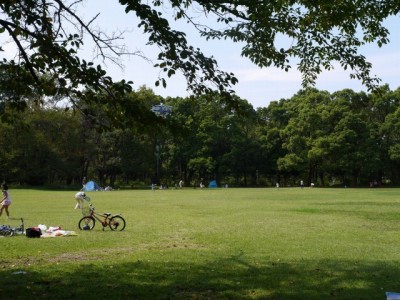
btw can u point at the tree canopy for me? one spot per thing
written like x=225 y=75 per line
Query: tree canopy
x=47 y=36
x=315 y=136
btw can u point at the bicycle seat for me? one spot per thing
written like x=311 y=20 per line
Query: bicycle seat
x=107 y=214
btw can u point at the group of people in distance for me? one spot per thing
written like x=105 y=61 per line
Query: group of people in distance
x=179 y=185
x=201 y=183
x=301 y=184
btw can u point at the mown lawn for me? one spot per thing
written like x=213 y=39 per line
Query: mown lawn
x=289 y=243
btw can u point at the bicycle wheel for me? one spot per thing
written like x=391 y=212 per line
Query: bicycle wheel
x=8 y=232
x=86 y=223
x=117 y=223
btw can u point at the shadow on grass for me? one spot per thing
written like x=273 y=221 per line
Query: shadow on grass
x=230 y=278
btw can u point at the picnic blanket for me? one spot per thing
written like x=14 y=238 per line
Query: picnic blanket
x=55 y=231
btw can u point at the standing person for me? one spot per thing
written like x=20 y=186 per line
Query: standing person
x=6 y=200
x=83 y=184
x=201 y=183
x=180 y=183
x=79 y=197
x=301 y=183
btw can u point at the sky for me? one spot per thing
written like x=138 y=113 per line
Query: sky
x=258 y=86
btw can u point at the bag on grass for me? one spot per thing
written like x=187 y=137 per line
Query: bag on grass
x=33 y=232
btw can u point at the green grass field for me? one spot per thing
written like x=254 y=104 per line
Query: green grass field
x=212 y=244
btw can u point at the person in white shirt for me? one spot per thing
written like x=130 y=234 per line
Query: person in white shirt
x=6 y=201
x=79 y=197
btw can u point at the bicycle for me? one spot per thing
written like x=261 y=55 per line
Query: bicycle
x=115 y=222
x=6 y=230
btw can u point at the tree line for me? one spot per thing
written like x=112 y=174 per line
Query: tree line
x=341 y=138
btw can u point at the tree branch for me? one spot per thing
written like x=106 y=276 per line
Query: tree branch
x=31 y=69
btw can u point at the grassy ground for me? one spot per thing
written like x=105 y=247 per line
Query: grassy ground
x=212 y=244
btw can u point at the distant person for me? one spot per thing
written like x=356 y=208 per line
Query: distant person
x=277 y=185
x=202 y=183
x=180 y=183
x=79 y=197
x=301 y=183
x=6 y=200
x=83 y=184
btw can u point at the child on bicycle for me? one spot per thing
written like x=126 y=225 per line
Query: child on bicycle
x=6 y=201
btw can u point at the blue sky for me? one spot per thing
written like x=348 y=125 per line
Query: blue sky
x=258 y=86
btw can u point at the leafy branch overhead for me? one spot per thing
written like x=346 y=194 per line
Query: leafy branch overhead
x=279 y=33
x=48 y=34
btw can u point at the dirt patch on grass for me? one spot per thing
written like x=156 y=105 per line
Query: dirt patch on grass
x=98 y=254
x=92 y=255
x=71 y=257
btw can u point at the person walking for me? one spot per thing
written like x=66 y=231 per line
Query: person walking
x=6 y=200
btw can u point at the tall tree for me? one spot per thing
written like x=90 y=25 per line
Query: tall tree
x=390 y=137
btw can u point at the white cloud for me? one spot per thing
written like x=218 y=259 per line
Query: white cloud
x=272 y=75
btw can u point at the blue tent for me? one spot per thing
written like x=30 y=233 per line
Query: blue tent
x=91 y=186
x=213 y=184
